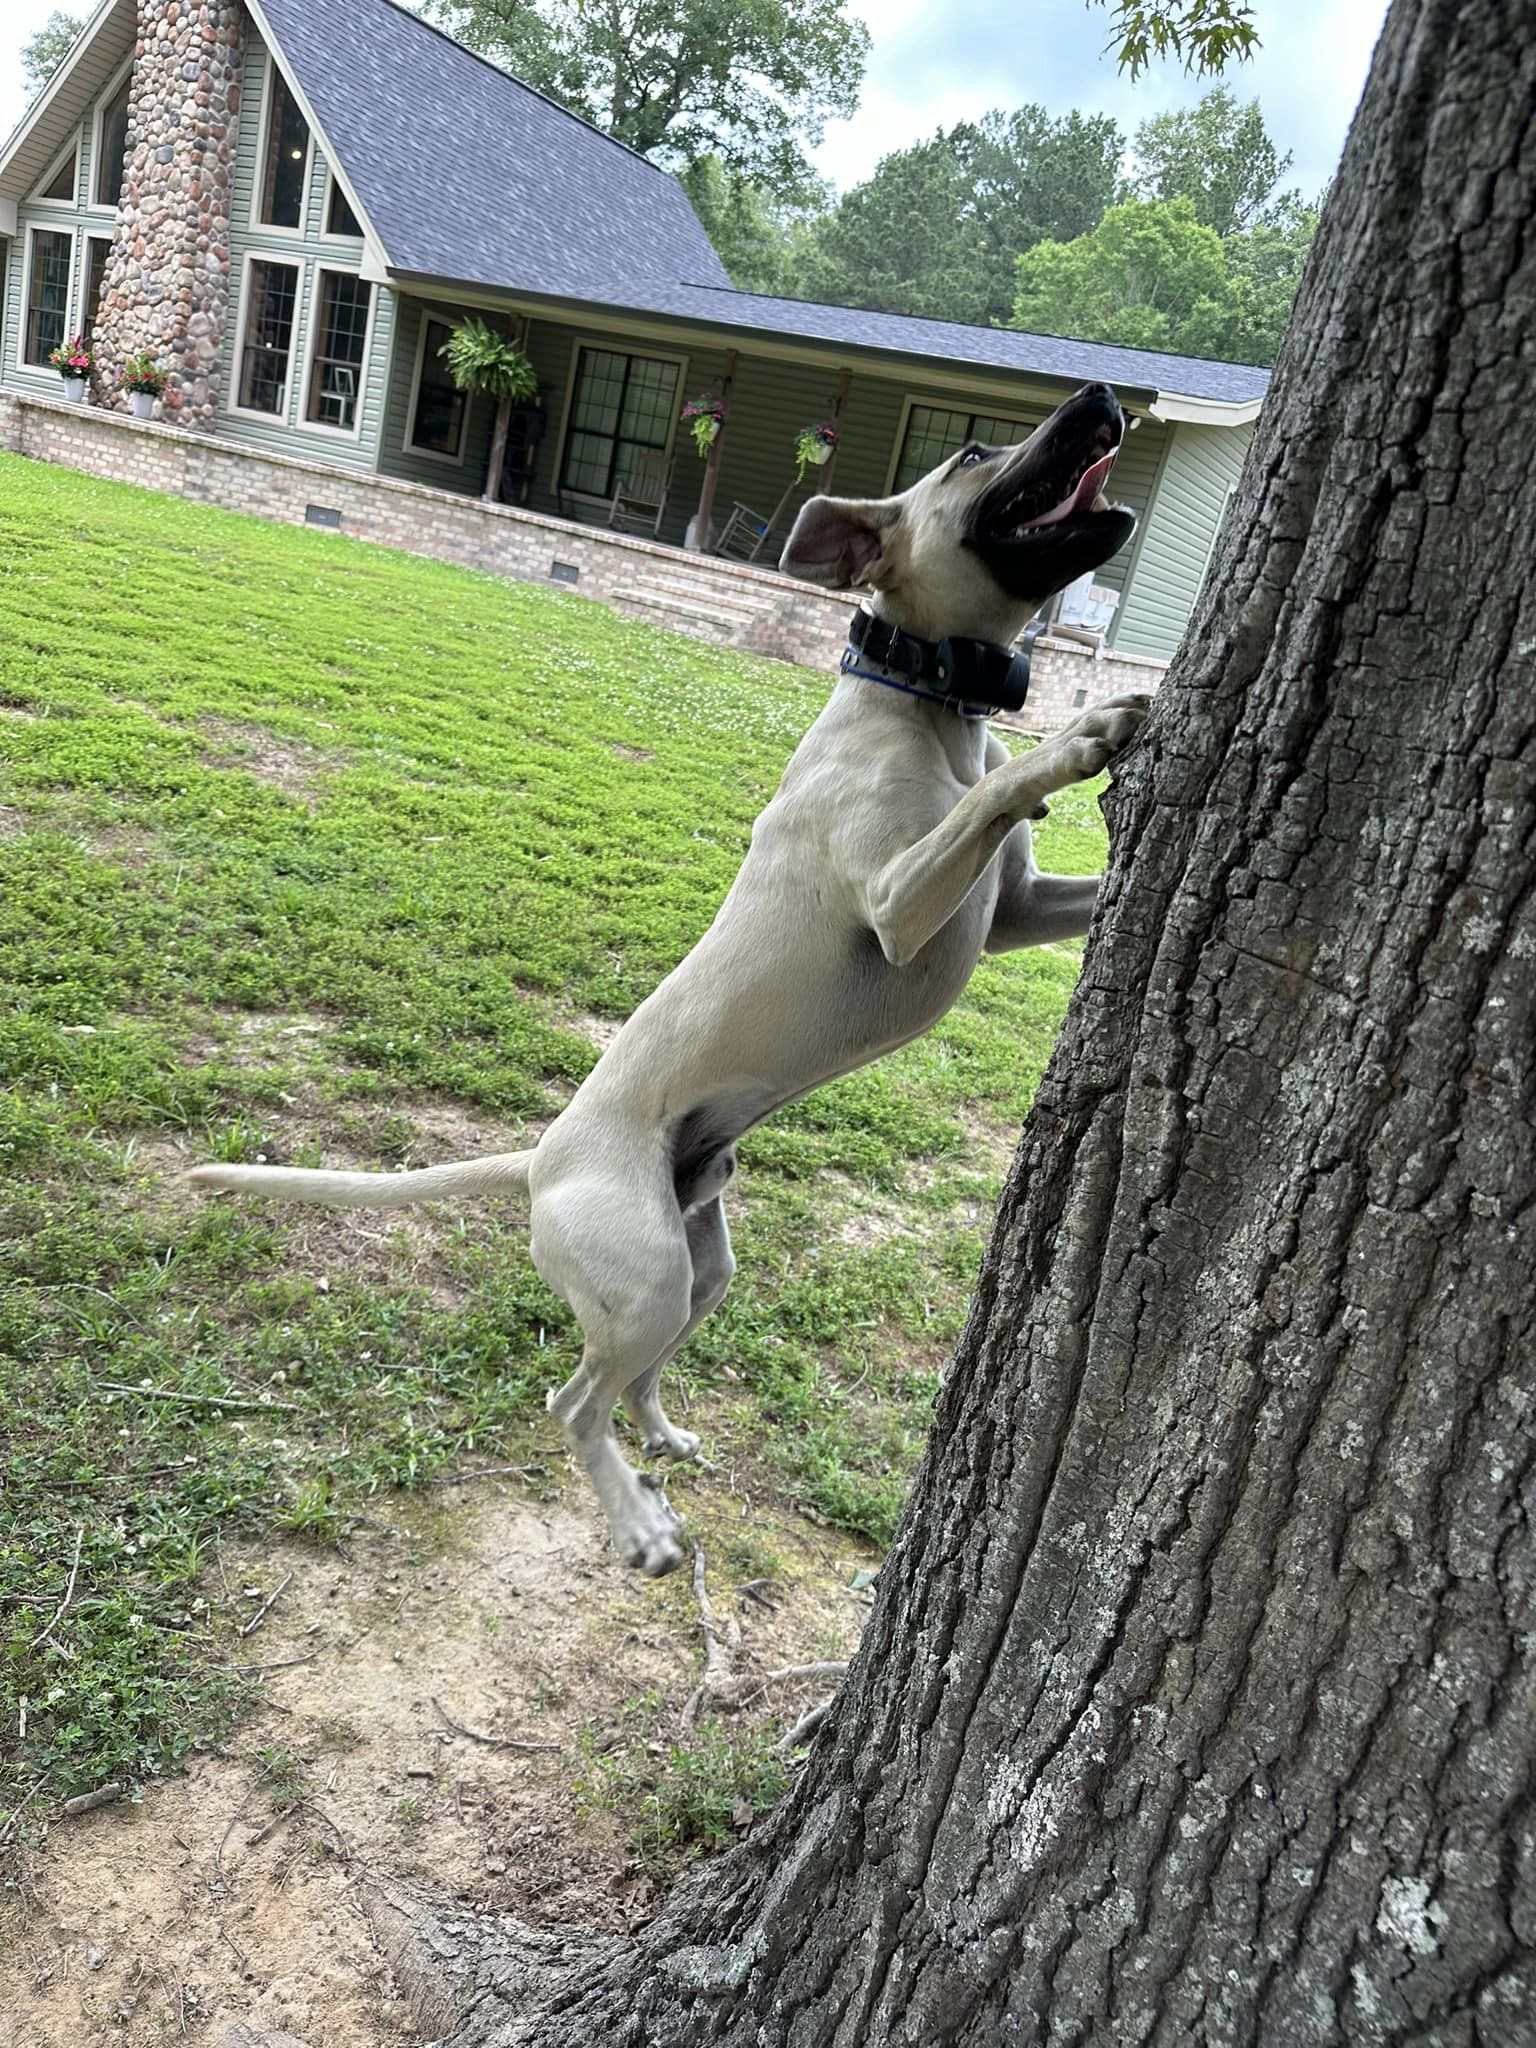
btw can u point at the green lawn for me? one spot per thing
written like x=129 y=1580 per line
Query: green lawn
x=309 y=848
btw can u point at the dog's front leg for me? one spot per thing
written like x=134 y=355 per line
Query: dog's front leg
x=917 y=892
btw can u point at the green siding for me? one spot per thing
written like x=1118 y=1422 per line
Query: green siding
x=311 y=250
x=1200 y=467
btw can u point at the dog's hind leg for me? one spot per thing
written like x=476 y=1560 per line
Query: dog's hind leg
x=709 y=1245
x=622 y=1262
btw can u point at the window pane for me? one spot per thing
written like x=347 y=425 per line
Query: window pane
x=97 y=250
x=438 y=422
x=931 y=436
x=622 y=405
x=282 y=187
x=273 y=294
x=341 y=340
x=62 y=184
x=339 y=217
x=114 y=147
x=48 y=294
x=1000 y=433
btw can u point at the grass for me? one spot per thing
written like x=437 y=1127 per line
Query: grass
x=304 y=844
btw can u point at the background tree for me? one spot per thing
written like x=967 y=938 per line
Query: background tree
x=43 y=53
x=763 y=241
x=1196 y=1703
x=683 y=79
x=1219 y=155
x=1151 y=275
x=936 y=228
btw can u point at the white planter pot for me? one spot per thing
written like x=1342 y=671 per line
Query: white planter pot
x=143 y=403
x=822 y=456
x=74 y=389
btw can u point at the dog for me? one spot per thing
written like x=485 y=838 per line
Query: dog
x=895 y=851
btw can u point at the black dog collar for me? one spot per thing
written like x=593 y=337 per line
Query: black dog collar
x=971 y=677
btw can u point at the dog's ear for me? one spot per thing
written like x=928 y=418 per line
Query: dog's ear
x=838 y=541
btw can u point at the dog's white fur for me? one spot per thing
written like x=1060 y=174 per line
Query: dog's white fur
x=894 y=853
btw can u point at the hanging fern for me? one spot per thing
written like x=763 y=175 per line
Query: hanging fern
x=481 y=360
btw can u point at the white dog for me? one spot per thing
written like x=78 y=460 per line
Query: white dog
x=894 y=853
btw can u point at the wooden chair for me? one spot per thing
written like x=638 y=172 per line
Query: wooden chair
x=742 y=535
x=641 y=497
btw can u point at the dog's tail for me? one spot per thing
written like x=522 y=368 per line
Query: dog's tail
x=501 y=1173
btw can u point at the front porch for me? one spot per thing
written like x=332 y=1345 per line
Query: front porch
x=732 y=604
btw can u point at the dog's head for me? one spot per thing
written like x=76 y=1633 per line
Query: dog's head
x=985 y=538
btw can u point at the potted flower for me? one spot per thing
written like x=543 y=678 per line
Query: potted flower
x=143 y=380
x=814 y=446
x=707 y=412
x=72 y=360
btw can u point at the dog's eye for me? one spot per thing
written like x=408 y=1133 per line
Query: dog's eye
x=970 y=455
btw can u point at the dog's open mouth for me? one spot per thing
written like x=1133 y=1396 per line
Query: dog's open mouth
x=1016 y=518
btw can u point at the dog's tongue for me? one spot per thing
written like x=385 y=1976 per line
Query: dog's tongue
x=1082 y=498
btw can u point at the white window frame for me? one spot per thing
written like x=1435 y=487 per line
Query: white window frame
x=938 y=404
x=24 y=311
x=98 y=124
x=233 y=405
x=91 y=234
x=408 y=446
x=311 y=333
x=72 y=203
x=263 y=137
x=333 y=185
x=612 y=346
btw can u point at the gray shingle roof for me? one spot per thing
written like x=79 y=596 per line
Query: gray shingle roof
x=472 y=177
x=466 y=173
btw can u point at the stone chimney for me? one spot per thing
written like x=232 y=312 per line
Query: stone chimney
x=166 y=287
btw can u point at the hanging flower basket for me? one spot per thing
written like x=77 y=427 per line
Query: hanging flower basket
x=814 y=446
x=706 y=416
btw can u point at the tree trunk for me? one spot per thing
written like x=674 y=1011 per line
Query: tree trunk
x=1197 y=1704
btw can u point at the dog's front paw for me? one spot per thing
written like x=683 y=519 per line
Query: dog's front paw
x=1094 y=738
x=671 y=1442
x=649 y=1540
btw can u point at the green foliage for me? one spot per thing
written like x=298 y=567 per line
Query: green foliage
x=484 y=361
x=935 y=229
x=1221 y=156
x=1151 y=275
x=682 y=79
x=271 y=903
x=693 y=1797
x=44 y=52
x=762 y=239
x=1208 y=34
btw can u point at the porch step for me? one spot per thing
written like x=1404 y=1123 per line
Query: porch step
x=703 y=589
x=722 y=619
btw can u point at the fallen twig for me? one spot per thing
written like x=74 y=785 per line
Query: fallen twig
x=69 y=1590
x=199 y=1400
x=806 y=1726
x=716 y=1681
x=13 y=1818
x=282 y=1664
x=250 y=1627
x=491 y=1741
x=87 y=1802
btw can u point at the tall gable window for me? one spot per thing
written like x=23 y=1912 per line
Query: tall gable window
x=285 y=164
x=338 y=349
x=112 y=147
x=61 y=185
x=339 y=217
x=440 y=409
x=47 y=308
x=621 y=407
x=933 y=435
x=266 y=337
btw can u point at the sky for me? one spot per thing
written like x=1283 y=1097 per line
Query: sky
x=935 y=62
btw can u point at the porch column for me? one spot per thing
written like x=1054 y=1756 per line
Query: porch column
x=840 y=406
x=702 y=517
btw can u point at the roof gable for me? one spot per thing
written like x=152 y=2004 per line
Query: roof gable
x=40 y=135
x=466 y=173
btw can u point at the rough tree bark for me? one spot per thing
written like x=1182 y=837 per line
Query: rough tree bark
x=1197 y=1705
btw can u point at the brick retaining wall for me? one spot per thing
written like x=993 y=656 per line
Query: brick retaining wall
x=730 y=603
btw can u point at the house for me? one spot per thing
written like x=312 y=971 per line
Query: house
x=291 y=203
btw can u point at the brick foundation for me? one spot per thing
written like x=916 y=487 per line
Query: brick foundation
x=729 y=603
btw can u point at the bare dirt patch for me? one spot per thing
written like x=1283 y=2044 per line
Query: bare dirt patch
x=210 y=1905
x=12 y=822
x=293 y=766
